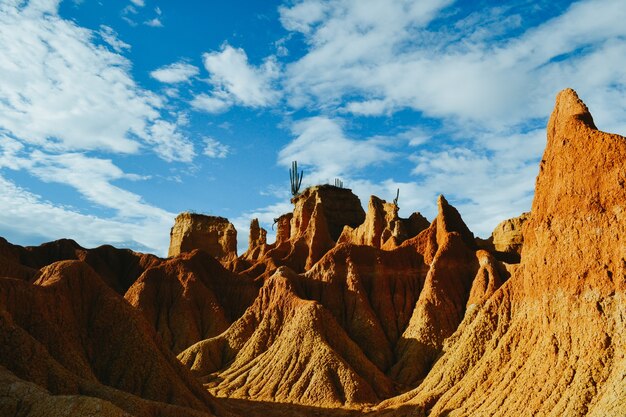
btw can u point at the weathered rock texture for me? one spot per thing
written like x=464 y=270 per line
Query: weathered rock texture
x=368 y=321
x=190 y=298
x=383 y=228
x=552 y=339
x=507 y=239
x=304 y=236
x=344 y=309
x=70 y=334
x=214 y=235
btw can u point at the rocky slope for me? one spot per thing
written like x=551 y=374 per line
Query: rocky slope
x=366 y=313
x=551 y=340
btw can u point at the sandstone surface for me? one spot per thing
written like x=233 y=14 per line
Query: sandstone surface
x=552 y=339
x=190 y=298
x=212 y=234
x=346 y=313
x=72 y=335
x=383 y=228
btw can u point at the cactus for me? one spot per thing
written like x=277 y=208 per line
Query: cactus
x=395 y=200
x=296 y=181
x=338 y=183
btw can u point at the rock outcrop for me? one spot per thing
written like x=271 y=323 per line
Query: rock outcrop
x=507 y=239
x=552 y=339
x=191 y=297
x=214 y=235
x=71 y=334
x=287 y=349
x=383 y=228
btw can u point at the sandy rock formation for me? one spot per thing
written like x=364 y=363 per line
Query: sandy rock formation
x=507 y=239
x=448 y=249
x=118 y=268
x=369 y=298
x=383 y=228
x=214 y=235
x=70 y=334
x=191 y=297
x=552 y=339
x=304 y=236
x=287 y=349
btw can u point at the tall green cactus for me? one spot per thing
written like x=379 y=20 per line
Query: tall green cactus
x=296 y=181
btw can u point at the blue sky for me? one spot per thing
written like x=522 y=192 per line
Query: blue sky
x=117 y=115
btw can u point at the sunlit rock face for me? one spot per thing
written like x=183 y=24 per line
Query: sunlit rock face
x=369 y=312
x=214 y=235
x=552 y=339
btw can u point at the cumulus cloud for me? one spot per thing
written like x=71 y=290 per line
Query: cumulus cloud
x=215 y=149
x=64 y=98
x=177 y=72
x=478 y=69
x=215 y=103
x=235 y=81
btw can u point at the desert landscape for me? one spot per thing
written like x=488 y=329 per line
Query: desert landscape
x=352 y=311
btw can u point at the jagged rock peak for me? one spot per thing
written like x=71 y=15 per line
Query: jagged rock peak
x=449 y=220
x=212 y=234
x=569 y=105
x=258 y=235
x=383 y=228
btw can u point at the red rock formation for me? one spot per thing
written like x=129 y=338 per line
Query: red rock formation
x=448 y=249
x=287 y=349
x=71 y=334
x=214 y=235
x=118 y=268
x=366 y=295
x=383 y=228
x=190 y=298
x=552 y=339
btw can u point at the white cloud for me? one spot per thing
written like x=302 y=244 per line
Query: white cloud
x=25 y=215
x=382 y=58
x=154 y=22
x=322 y=144
x=215 y=103
x=215 y=149
x=169 y=143
x=177 y=72
x=138 y=3
x=233 y=78
x=111 y=37
x=61 y=92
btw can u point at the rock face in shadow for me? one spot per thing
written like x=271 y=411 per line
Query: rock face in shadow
x=70 y=334
x=214 y=235
x=552 y=339
x=118 y=268
x=190 y=298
